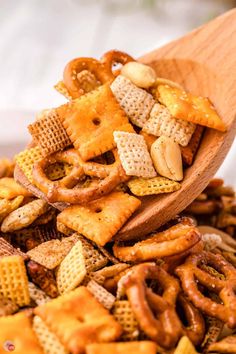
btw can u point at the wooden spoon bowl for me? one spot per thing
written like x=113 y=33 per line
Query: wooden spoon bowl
x=204 y=63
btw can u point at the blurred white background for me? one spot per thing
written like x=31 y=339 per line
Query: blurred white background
x=38 y=37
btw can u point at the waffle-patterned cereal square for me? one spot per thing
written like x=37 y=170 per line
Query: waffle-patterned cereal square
x=7 y=307
x=156 y=185
x=72 y=270
x=38 y=295
x=51 y=253
x=94 y=259
x=26 y=159
x=87 y=321
x=91 y=120
x=161 y=122
x=136 y=102
x=195 y=109
x=123 y=313
x=13 y=280
x=99 y=220
x=101 y=294
x=50 y=133
x=134 y=154
x=47 y=339
x=17 y=330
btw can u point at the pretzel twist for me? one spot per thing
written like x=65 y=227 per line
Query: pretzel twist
x=63 y=190
x=172 y=241
x=76 y=66
x=113 y=57
x=156 y=313
x=191 y=276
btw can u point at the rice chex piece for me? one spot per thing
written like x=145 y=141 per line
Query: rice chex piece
x=161 y=122
x=13 y=280
x=49 y=133
x=136 y=102
x=134 y=154
x=100 y=219
x=123 y=313
x=156 y=185
x=72 y=270
x=38 y=295
x=47 y=339
x=101 y=294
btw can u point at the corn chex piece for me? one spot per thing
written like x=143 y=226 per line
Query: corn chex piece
x=94 y=259
x=123 y=313
x=10 y=189
x=88 y=122
x=49 y=133
x=188 y=152
x=138 y=347
x=99 y=220
x=17 y=335
x=51 y=253
x=72 y=270
x=134 y=154
x=185 y=346
x=162 y=123
x=47 y=339
x=7 y=307
x=13 y=280
x=36 y=294
x=87 y=321
x=24 y=216
x=195 y=109
x=136 y=102
x=61 y=88
x=101 y=294
x=156 y=185
x=6 y=249
x=214 y=328
x=7 y=206
x=26 y=159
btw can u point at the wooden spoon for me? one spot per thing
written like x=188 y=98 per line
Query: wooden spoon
x=203 y=62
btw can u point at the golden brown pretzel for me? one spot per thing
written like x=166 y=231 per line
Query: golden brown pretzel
x=191 y=276
x=172 y=241
x=155 y=313
x=63 y=190
x=76 y=66
x=113 y=57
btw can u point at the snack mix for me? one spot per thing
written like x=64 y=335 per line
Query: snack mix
x=68 y=283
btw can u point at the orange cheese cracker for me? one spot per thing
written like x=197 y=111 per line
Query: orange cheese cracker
x=142 y=347
x=99 y=220
x=195 y=109
x=91 y=120
x=17 y=333
x=78 y=319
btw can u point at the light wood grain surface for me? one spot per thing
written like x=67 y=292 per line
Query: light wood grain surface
x=204 y=63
